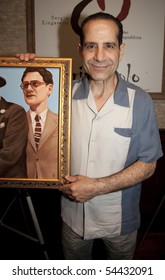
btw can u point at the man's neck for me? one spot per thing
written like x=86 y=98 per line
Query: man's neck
x=38 y=109
x=102 y=90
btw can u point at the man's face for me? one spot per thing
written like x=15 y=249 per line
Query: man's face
x=100 y=51
x=36 y=96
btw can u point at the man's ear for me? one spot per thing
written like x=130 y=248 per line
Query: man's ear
x=79 y=48
x=50 y=89
x=122 y=50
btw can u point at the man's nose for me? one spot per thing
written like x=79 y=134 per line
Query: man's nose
x=100 y=53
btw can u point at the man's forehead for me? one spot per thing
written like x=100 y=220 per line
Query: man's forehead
x=100 y=28
x=99 y=22
x=33 y=74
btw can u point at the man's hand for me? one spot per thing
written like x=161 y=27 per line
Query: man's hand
x=79 y=188
x=26 y=56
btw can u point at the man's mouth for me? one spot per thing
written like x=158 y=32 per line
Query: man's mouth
x=28 y=95
x=99 y=67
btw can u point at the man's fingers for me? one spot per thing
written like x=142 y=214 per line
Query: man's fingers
x=25 y=56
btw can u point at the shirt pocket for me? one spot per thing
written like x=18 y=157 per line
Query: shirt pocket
x=123 y=134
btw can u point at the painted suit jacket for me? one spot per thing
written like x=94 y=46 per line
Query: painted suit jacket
x=43 y=163
x=13 y=140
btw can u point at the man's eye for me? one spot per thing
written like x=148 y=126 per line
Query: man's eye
x=110 y=46
x=25 y=85
x=90 y=46
x=35 y=84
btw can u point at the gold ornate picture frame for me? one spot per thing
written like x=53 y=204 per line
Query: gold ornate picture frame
x=11 y=70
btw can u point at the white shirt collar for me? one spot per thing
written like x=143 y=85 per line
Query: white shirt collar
x=42 y=120
x=42 y=115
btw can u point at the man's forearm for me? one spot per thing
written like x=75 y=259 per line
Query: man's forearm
x=130 y=176
x=82 y=188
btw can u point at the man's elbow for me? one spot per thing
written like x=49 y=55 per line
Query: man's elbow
x=151 y=169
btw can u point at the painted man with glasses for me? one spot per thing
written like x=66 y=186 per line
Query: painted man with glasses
x=42 y=147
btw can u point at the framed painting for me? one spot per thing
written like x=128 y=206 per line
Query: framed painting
x=35 y=120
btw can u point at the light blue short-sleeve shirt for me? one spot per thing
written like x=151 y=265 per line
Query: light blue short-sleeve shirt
x=103 y=143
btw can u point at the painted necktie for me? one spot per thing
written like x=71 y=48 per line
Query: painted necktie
x=37 y=131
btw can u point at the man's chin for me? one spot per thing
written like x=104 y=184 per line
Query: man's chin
x=98 y=78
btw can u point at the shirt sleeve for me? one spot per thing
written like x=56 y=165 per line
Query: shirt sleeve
x=149 y=144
